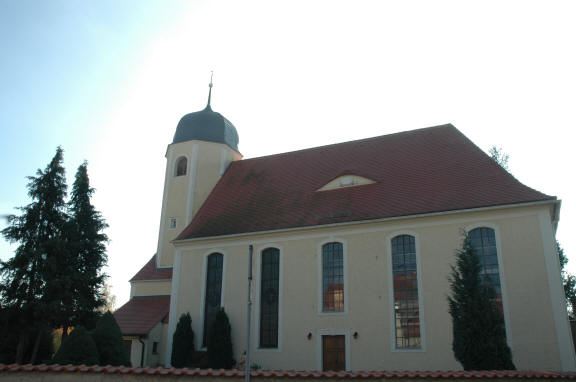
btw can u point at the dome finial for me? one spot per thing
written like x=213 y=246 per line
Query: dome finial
x=210 y=91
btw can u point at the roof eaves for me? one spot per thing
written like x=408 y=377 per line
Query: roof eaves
x=550 y=200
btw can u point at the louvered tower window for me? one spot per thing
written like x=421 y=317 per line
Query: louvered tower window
x=181 y=166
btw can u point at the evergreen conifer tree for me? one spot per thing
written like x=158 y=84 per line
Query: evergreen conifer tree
x=33 y=281
x=183 y=342
x=45 y=349
x=8 y=335
x=87 y=249
x=479 y=335
x=78 y=349
x=219 y=342
x=108 y=339
x=569 y=283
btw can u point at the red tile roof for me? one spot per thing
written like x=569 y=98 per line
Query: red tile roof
x=235 y=373
x=139 y=315
x=151 y=272
x=421 y=171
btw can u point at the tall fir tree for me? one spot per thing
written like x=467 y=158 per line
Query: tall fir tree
x=87 y=247
x=32 y=279
x=479 y=335
x=183 y=342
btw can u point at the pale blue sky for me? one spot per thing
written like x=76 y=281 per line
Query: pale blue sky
x=109 y=80
x=64 y=65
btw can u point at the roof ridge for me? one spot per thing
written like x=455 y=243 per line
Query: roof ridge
x=407 y=132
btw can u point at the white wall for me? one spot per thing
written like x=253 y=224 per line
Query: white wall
x=529 y=310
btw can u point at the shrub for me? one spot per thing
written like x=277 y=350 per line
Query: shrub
x=183 y=342
x=108 y=339
x=219 y=342
x=78 y=349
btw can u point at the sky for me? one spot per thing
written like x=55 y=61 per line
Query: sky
x=108 y=81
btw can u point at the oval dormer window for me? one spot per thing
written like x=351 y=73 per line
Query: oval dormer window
x=181 y=165
x=347 y=181
x=343 y=181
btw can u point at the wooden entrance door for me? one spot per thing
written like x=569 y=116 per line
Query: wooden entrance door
x=333 y=353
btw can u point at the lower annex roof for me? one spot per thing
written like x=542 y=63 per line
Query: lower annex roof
x=139 y=315
x=151 y=272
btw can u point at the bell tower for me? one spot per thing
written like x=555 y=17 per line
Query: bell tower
x=204 y=144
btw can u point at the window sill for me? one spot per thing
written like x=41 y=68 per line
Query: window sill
x=344 y=313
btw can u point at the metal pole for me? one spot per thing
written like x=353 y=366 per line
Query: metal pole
x=247 y=371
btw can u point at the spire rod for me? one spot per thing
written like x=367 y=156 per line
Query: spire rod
x=210 y=91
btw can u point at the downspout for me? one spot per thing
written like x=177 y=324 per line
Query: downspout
x=143 y=348
x=248 y=318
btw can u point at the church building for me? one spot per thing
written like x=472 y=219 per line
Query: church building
x=352 y=247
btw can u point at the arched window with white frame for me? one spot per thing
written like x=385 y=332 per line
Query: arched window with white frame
x=333 y=277
x=405 y=292
x=269 y=298
x=483 y=242
x=213 y=296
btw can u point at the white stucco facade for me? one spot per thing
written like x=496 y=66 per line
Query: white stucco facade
x=536 y=320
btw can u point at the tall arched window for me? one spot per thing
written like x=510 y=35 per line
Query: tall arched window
x=483 y=241
x=213 y=295
x=269 y=296
x=333 y=277
x=406 y=303
x=181 y=166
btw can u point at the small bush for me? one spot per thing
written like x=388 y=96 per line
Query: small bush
x=183 y=342
x=108 y=339
x=78 y=349
x=219 y=342
x=200 y=360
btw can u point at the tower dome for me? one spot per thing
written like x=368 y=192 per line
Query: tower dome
x=206 y=125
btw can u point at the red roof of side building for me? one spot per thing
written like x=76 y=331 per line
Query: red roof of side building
x=151 y=272
x=422 y=171
x=139 y=315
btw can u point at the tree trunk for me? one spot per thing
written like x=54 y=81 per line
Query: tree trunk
x=37 y=344
x=21 y=348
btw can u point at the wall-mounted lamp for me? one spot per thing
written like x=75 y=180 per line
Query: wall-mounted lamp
x=355 y=335
x=309 y=336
